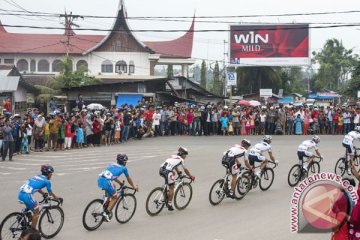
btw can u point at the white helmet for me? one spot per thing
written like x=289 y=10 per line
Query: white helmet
x=316 y=138
x=267 y=138
x=357 y=128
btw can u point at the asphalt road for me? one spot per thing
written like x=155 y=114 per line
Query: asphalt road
x=260 y=215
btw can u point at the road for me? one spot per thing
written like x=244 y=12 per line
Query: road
x=260 y=215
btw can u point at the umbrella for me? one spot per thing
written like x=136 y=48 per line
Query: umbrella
x=243 y=102
x=95 y=106
x=254 y=103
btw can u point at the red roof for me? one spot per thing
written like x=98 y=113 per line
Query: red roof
x=55 y=43
x=180 y=47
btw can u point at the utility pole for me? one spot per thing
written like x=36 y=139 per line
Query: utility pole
x=225 y=73
x=68 y=23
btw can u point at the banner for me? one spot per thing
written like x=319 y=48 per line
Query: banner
x=269 y=45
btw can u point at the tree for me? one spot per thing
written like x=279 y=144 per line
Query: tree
x=217 y=87
x=352 y=86
x=203 y=74
x=336 y=63
x=68 y=79
x=170 y=71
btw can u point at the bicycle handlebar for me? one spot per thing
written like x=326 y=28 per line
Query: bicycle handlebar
x=47 y=198
x=123 y=188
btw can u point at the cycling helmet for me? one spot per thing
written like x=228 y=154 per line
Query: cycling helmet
x=121 y=158
x=267 y=138
x=46 y=169
x=357 y=128
x=182 y=151
x=316 y=138
x=245 y=143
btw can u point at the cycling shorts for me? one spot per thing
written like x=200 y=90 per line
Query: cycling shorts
x=107 y=186
x=167 y=175
x=230 y=164
x=28 y=200
x=255 y=158
x=349 y=148
x=302 y=154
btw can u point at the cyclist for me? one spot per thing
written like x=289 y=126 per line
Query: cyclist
x=348 y=144
x=256 y=153
x=231 y=161
x=303 y=151
x=36 y=184
x=106 y=178
x=167 y=171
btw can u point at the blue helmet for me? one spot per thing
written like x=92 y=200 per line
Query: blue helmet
x=46 y=169
x=121 y=158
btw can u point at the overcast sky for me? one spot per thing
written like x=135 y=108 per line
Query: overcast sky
x=206 y=45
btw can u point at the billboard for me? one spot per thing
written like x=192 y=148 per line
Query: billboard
x=269 y=45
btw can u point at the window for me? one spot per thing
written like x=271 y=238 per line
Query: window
x=131 y=67
x=32 y=65
x=22 y=65
x=57 y=66
x=8 y=61
x=141 y=88
x=107 y=67
x=43 y=66
x=121 y=67
x=82 y=65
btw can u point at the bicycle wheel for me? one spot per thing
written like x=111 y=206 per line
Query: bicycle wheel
x=51 y=222
x=294 y=176
x=314 y=167
x=182 y=196
x=217 y=194
x=244 y=183
x=125 y=208
x=92 y=216
x=340 y=166
x=237 y=194
x=155 y=202
x=12 y=226
x=266 y=179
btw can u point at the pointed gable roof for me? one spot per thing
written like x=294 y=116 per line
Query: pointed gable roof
x=180 y=47
x=2 y=29
x=120 y=38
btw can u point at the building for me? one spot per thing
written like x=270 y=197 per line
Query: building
x=116 y=54
x=13 y=86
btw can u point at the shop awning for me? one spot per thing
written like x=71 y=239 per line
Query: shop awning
x=9 y=83
x=129 y=99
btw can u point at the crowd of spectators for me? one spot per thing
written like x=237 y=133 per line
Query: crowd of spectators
x=56 y=131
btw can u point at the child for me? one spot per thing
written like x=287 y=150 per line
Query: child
x=117 y=130
x=231 y=129
x=47 y=134
x=61 y=135
x=243 y=125
x=224 y=124
x=79 y=136
x=24 y=142
x=340 y=124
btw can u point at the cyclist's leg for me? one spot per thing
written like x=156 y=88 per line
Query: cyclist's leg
x=170 y=194
x=233 y=170
x=110 y=190
x=310 y=157
x=32 y=205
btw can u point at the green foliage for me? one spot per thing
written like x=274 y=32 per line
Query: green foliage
x=353 y=85
x=170 y=71
x=203 y=74
x=218 y=86
x=68 y=78
x=336 y=63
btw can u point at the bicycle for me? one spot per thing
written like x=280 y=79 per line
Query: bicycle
x=342 y=165
x=124 y=209
x=249 y=180
x=297 y=172
x=221 y=188
x=51 y=220
x=158 y=196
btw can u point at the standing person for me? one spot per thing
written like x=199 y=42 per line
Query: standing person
x=336 y=116
x=1 y=133
x=117 y=130
x=236 y=121
x=80 y=102
x=38 y=133
x=52 y=105
x=190 y=120
x=156 y=117
x=97 y=131
x=262 y=122
x=89 y=130
x=29 y=132
x=54 y=129
x=7 y=105
x=243 y=125
x=224 y=124
x=306 y=121
x=61 y=135
x=107 y=126
x=8 y=140
x=347 y=121
x=197 y=123
x=127 y=123
x=298 y=125
x=329 y=115
x=340 y=129
x=79 y=136
x=16 y=132
x=47 y=134
x=68 y=134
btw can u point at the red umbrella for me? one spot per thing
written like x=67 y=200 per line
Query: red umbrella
x=243 y=102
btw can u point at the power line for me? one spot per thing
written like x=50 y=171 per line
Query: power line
x=294 y=26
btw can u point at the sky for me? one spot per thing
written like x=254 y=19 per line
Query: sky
x=208 y=46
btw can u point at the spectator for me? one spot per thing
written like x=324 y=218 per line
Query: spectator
x=97 y=131
x=68 y=134
x=8 y=140
x=61 y=134
x=224 y=124
x=38 y=133
x=298 y=125
x=7 y=105
x=54 y=131
x=156 y=117
x=52 y=105
x=80 y=103
x=79 y=136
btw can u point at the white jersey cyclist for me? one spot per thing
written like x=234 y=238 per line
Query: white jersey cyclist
x=230 y=157
x=304 y=151
x=170 y=165
x=349 y=140
x=257 y=151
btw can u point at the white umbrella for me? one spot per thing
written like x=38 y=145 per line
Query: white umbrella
x=254 y=103
x=95 y=106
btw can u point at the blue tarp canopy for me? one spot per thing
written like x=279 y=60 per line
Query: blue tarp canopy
x=130 y=99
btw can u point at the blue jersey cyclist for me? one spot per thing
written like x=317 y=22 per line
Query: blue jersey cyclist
x=36 y=184
x=112 y=173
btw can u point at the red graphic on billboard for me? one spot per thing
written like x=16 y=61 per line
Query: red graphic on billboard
x=268 y=41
